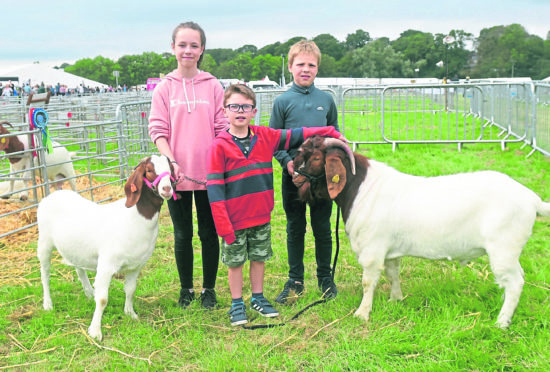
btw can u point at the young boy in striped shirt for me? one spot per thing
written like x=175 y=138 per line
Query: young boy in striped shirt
x=240 y=191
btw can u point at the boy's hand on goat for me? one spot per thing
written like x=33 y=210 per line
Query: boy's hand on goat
x=343 y=139
x=290 y=167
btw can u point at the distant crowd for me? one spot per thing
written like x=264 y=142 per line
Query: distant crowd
x=10 y=89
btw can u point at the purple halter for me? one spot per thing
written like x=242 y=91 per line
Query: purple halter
x=153 y=186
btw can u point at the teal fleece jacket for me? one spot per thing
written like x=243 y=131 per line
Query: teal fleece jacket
x=302 y=107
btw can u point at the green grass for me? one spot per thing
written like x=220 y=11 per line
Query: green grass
x=446 y=321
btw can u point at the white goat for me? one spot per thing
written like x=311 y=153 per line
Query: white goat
x=389 y=214
x=107 y=239
x=59 y=162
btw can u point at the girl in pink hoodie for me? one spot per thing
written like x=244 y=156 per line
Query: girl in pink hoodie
x=186 y=114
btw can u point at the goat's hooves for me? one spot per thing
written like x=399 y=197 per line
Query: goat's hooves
x=503 y=325
x=361 y=315
x=95 y=334
x=48 y=307
x=132 y=315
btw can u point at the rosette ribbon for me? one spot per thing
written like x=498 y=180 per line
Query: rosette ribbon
x=39 y=120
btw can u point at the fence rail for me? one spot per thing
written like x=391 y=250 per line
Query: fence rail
x=108 y=135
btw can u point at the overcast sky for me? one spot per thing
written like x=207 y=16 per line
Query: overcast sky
x=56 y=31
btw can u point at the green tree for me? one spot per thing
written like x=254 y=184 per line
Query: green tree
x=272 y=49
x=378 y=59
x=209 y=64
x=357 y=40
x=266 y=65
x=221 y=55
x=503 y=48
x=543 y=66
x=498 y=51
x=280 y=49
x=329 y=45
x=425 y=50
x=452 y=51
x=328 y=67
x=99 y=69
x=237 y=68
x=414 y=45
x=248 y=48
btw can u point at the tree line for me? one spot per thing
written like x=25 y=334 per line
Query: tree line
x=499 y=51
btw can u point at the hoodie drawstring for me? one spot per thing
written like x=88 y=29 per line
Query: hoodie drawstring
x=194 y=96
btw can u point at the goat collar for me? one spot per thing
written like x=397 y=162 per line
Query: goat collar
x=311 y=179
x=153 y=186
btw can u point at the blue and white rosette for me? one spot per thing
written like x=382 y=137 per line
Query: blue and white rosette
x=39 y=120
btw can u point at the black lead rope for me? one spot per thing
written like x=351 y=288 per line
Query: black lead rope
x=264 y=326
x=337 y=242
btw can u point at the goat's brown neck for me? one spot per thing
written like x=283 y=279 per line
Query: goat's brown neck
x=149 y=203
x=346 y=198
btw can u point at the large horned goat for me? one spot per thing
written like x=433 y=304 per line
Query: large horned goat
x=389 y=214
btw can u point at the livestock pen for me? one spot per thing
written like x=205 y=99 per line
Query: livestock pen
x=109 y=133
x=445 y=322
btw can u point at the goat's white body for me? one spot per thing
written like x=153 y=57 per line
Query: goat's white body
x=107 y=239
x=458 y=217
x=59 y=166
x=82 y=231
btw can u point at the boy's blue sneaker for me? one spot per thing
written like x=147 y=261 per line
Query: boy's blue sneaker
x=237 y=314
x=263 y=306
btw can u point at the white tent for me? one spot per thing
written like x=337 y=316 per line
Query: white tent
x=38 y=73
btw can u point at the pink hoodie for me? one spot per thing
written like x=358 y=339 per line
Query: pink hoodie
x=189 y=114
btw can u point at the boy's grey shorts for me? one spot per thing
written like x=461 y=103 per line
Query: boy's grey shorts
x=253 y=244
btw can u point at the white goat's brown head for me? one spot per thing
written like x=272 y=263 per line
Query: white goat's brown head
x=156 y=173
x=320 y=168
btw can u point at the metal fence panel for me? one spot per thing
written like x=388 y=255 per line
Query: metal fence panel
x=134 y=132
x=541 y=118
x=439 y=113
x=109 y=134
x=95 y=150
x=361 y=112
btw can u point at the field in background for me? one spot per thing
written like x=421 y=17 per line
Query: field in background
x=445 y=322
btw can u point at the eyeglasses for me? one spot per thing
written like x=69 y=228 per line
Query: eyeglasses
x=233 y=107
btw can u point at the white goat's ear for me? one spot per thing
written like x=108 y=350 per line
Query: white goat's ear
x=134 y=184
x=335 y=173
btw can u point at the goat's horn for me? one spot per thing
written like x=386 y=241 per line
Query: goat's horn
x=344 y=146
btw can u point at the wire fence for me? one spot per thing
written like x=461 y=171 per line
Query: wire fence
x=107 y=135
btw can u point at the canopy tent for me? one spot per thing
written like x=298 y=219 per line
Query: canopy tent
x=38 y=74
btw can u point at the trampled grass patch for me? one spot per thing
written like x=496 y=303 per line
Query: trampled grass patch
x=445 y=322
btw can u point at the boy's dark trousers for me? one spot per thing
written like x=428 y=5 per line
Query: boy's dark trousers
x=320 y=214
